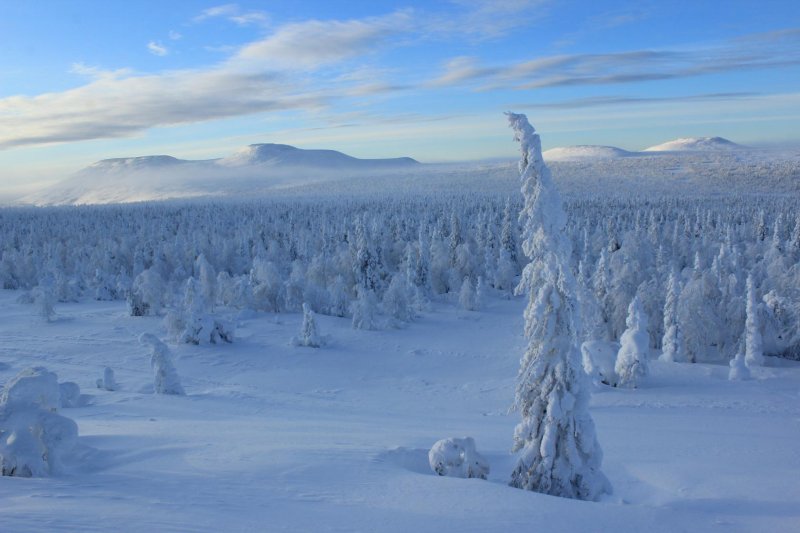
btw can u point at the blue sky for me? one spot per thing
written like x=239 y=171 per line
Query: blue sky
x=87 y=80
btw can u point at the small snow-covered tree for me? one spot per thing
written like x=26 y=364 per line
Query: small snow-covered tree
x=631 y=365
x=44 y=298
x=739 y=370
x=754 y=348
x=165 y=377
x=365 y=310
x=146 y=294
x=107 y=382
x=467 y=296
x=559 y=453
x=308 y=331
x=670 y=344
x=397 y=301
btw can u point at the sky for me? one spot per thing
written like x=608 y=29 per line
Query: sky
x=86 y=80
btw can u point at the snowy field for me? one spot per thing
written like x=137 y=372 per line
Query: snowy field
x=273 y=437
x=692 y=258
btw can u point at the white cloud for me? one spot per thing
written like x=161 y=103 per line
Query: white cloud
x=174 y=35
x=234 y=13
x=315 y=43
x=156 y=48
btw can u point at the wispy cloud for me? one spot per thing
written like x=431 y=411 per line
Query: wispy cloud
x=315 y=43
x=604 y=101
x=235 y=14
x=112 y=107
x=487 y=19
x=758 y=51
x=174 y=35
x=157 y=49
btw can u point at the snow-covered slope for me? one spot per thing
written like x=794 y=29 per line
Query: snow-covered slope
x=270 y=437
x=285 y=155
x=697 y=144
x=256 y=169
x=572 y=153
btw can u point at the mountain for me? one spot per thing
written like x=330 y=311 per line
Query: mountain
x=283 y=155
x=255 y=169
x=697 y=144
x=572 y=153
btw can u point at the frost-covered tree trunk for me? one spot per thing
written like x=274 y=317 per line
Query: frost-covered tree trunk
x=559 y=452
x=754 y=346
x=631 y=365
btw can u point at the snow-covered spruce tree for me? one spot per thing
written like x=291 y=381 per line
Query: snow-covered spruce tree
x=754 y=348
x=365 y=310
x=308 y=331
x=631 y=365
x=560 y=454
x=467 y=296
x=44 y=298
x=670 y=344
x=165 y=377
x=146 y=294
x=739 y=370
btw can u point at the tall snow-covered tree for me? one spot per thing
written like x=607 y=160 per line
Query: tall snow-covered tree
x=754 y=347
x=631 y=364
x=670 y=343
x=559 y=452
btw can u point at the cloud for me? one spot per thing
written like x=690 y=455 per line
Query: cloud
x=487 y=19
x=757 y=51
x=233 y=13
x=603 y=101
x=174 y=35
x=114 y=107
x=156 y=48
x=315 y=43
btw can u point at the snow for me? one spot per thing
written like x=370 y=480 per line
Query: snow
x=571 y=153
x=457 y=457
x=266 y=171
x=272 y=437
x=697 y=144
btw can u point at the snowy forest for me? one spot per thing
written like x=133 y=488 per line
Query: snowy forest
x=381 y=261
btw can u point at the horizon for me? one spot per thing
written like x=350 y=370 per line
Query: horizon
x=197 y=80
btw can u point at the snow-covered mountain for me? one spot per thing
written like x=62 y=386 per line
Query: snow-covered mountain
x=697 y=144
x=255 y=169
x=571 y=153
x=285 y=155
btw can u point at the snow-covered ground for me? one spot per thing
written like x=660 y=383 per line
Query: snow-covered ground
x=273 y=437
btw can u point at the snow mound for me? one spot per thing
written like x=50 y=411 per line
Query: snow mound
x=589 y=151
x=697 y=144
x=455 y=457
x=284 y=155
x=33 y=437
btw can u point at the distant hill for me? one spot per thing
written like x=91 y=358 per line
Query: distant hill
x=572 y=153
x=697 y=144
x=254 y=169
x=290 y=156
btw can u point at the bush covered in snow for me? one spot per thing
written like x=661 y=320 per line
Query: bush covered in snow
x=308 y=331
x=456 y=457
x=34 y=438
x=165 y=377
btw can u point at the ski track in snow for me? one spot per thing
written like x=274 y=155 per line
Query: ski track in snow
x=272 y=437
